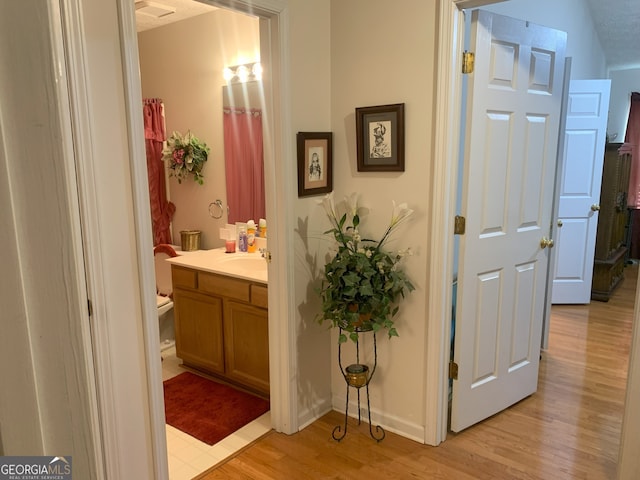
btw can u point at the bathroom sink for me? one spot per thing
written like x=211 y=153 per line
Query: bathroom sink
x=247 y=266
x=244 y=263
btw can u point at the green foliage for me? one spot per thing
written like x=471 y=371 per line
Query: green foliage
x=362 y=281
x=186 y=156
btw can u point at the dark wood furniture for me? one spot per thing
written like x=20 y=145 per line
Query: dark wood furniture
x=611 y=248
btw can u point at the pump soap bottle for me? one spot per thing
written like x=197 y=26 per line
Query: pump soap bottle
x=242 y=239
x=251 y=236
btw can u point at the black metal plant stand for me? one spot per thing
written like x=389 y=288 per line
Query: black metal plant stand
x=357 y=376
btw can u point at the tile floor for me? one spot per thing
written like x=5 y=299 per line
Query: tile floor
x=189 y=457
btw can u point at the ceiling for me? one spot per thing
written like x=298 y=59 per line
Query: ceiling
x=617 y=23
x=183 y=9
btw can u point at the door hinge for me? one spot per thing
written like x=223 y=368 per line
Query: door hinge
x=453 y=370
x=90 y=307
x=459 y=225
x=468 y=61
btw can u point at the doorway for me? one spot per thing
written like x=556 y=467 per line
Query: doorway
x=190 y=85
x=277 y=196
x=446 y=149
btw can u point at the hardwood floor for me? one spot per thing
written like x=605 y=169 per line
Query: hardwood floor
x=569 y=429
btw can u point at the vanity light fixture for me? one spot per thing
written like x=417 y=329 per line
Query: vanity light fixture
x=243 y=73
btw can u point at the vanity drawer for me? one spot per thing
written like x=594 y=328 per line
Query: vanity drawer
x=224 y=286
x=259 y=296
x=184 y=277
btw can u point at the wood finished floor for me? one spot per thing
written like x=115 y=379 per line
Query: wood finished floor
x=569 y=429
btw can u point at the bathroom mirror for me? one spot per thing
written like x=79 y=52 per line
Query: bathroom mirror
x=243 y=151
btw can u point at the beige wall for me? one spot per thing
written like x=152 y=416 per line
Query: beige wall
x=623 y=82
x=384 y=53
x=182 y=63
x=310 y=88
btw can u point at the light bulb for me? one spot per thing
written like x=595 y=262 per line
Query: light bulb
x=243 y=73
x=257 y=70
x=227 y=73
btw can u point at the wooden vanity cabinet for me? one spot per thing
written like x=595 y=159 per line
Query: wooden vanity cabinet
x=198 y=329
x=246 y=344
x=221 y=326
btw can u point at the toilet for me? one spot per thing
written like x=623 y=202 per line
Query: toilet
x=164 y=294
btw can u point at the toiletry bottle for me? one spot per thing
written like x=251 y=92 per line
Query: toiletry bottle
x=251 y=236
x=262 y=228
x=242 y=239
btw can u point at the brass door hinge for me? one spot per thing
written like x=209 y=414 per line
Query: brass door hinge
x=453 y=370
x=468 y=62
x=459 y=225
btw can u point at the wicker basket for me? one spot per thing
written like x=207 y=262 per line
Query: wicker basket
x=190 y=240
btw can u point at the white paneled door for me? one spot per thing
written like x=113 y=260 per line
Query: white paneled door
x=584 y=139
x=515 y=96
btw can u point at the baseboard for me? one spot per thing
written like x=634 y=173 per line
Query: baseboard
x=310 y=414
x=389 y=423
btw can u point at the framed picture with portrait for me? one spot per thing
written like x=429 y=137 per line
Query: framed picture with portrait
x=380 y=138
x=315 y=163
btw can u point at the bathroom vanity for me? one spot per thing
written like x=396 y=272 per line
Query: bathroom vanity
x=221 y=316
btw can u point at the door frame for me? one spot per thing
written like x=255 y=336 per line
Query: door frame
x=279 y=198
x=444 y=187
x=447 y=120
x=146 y=396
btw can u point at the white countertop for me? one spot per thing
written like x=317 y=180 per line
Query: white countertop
x=247 y=266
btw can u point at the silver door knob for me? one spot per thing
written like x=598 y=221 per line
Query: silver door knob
x=595 y=207
x=560 y=223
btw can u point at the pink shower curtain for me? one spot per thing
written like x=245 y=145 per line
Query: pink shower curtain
x=632 y=145
x=154 y=134
x=243 y=155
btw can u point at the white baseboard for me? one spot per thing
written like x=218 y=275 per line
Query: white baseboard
x=390 y=423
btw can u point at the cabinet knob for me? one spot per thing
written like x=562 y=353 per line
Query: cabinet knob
x=560 y=223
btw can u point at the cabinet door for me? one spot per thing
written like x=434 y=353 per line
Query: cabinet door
x=246 y=343
x=198 y=326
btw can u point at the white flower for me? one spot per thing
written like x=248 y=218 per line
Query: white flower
x=352 y=202
x=329 y=206
x=400 y=213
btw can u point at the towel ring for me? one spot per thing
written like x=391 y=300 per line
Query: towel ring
x=217 y=204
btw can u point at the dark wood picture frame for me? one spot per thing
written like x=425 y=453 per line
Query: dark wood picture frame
x=380 y=138
x=315 y=163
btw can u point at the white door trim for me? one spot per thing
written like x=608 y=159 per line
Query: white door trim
x=445 y=178
x=144 y=233
x=445 y=172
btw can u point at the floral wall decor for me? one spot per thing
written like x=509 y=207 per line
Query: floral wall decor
x=186 y=156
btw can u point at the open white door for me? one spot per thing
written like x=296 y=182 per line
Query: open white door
x=515 y=95
x=584 y=139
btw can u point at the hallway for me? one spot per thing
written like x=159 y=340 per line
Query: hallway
x=569 y=429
